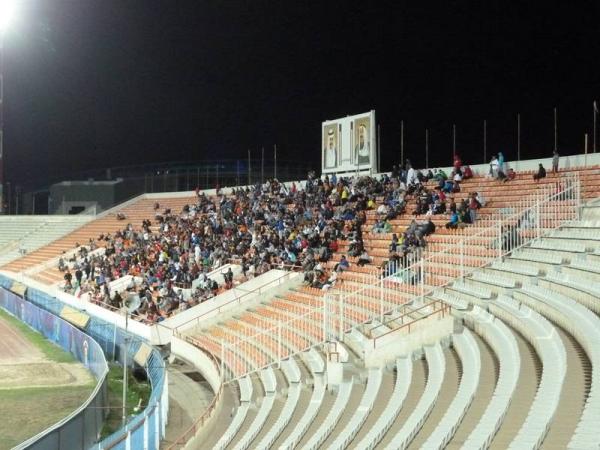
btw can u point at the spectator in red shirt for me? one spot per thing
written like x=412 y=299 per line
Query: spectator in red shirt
x=333 y=246
x=511 y=175
x=467 y=173
x=457 y=163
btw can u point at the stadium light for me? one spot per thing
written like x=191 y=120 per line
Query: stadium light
x=8 y=9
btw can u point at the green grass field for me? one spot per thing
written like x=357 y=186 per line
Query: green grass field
x=52 y=351
x=26 y=411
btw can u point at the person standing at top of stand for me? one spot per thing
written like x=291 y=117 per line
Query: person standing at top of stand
x=555 y=160
x=501 y=162
x=457 y=163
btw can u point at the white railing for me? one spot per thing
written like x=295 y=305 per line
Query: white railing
x=489 y=239
x=261 y=342
x=295 y=326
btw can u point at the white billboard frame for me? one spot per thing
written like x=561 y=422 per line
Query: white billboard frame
x=340 y=151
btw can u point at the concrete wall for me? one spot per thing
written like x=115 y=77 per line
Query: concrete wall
x=402 y=342
x=259 y=288
x=68 y=194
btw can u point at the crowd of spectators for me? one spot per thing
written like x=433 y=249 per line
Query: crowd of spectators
x=260 y=228
x=263 y=227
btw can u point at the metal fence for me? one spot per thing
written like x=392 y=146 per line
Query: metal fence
x=146 y=429
x=489 y=239
x=268 y=338
x=80 y=429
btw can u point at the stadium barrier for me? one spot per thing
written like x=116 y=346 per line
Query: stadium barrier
x=145 y=430
x=491 y=239
x=80 y=429
x=330 y=317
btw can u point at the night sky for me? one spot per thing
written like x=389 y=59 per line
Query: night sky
x=100 y=83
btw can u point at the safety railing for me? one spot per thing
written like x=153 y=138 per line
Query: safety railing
x=245 y=349
x=471 y=248
x=408 y=320
x=237 y=300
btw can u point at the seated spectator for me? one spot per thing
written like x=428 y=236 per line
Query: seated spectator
x=331 y=281
x=457 y=164
x=228 y=278
x=474 y=205
x=480 y=198
x=363 y=259
x=541 y=173
x=343 y=264
x=428 y=228
x=453 y=223
x=68 y=277
x=448 y=187
x=467 y=173
x=511 y=175
x=441 y=175
x=383 y=210
x=452 y=205
x=61 y=264
x=455 y=186
x=394 y=244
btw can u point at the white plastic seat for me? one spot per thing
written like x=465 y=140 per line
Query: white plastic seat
x=437 y=367
x=475 y=291
x=395 y=403
x=502 y=341
x=360 y=415
x=495 y=280
x=325 y=428
x=470 y=358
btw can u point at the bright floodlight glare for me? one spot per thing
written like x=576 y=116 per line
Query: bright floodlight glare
x=7 y=13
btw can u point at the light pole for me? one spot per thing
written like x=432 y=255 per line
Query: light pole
x=7 y=12
x=124 y=416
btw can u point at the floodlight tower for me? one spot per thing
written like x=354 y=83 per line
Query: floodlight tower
x=7 y=13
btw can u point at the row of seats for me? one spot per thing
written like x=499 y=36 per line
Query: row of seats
x=340 y=427
x=551 y=305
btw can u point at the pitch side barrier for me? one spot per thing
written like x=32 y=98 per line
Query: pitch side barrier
x=81 y=428
x=145 y=430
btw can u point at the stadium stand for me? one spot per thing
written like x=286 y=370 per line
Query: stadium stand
x=23 y=234
x=512 y=373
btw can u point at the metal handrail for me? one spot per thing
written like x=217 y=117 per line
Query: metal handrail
x=530 y=209
x=497 y=219
x=443 y=309
x=235 y=300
